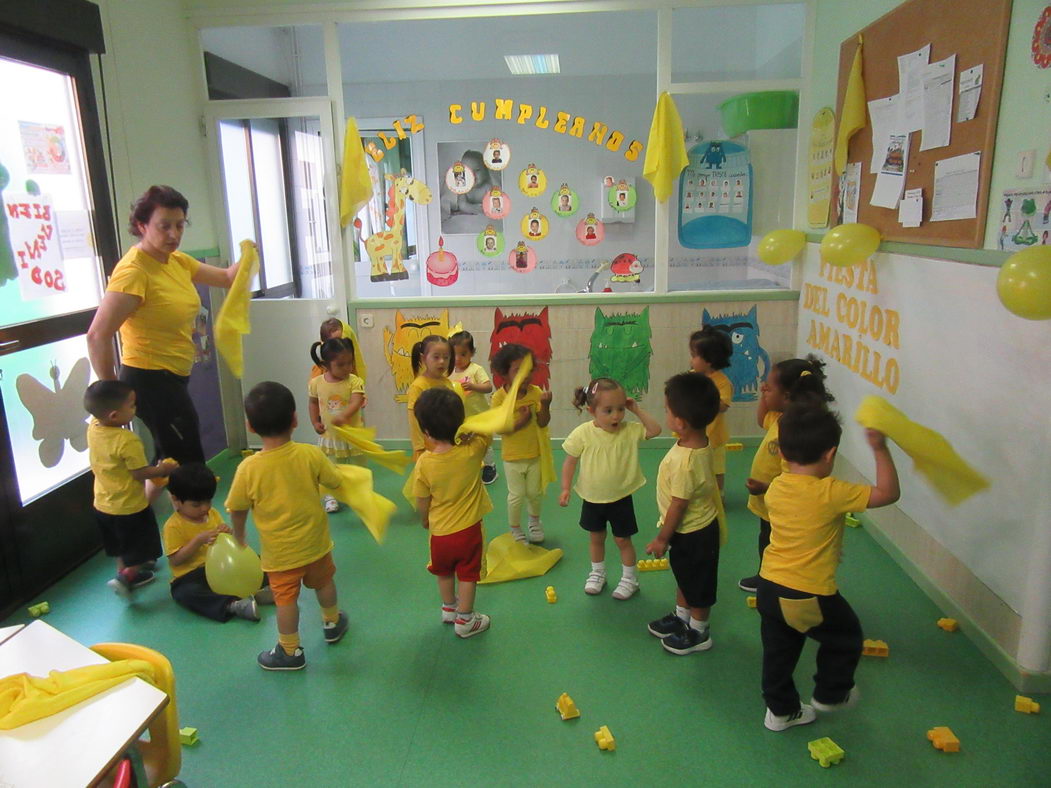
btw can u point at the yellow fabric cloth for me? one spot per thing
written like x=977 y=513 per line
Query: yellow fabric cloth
x=453 y=482
x=806 y=529
x=500 y=420
x=280 y=486
x=419 y=385
x=508 y=559
x=767 y=463
x=355 y=185
x=233 y=321
x=852 y=118
x=665 y=149
x=178 y=531
x=718 y=433
x=688 y=474
x=25 y=698
x=357 y=492
x=362 y=439
x=360 y=368
x=523 y=444
x=933 y=456
x=159 y=333
x=609 y=461
x=113 y=452
x=547 y=459
x=474 y=402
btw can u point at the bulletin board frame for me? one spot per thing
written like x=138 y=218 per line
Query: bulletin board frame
x=976 y=32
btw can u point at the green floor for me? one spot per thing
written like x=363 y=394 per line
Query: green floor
x=402 y=701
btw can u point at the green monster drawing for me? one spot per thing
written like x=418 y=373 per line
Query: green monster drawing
x=1025 y=235
x=620 y=349
x=8 y=270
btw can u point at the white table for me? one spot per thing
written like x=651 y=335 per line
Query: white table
x=8 y=632
x=77 y=746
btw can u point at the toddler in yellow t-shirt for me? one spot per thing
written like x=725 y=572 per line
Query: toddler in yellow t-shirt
x=332 y=328
x=475 y=384
x=710 y=351
x=432 y=363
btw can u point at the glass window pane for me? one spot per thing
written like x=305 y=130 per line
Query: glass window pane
x=237 y=184
x=264 y=62
x=268 y=169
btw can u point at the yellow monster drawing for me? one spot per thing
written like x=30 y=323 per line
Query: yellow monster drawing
x=397 y=346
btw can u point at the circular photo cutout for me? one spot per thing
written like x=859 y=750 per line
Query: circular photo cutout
x=497 y=154
x=442 y=267
x=532 y=181
x=522 y=258
x=496 y=204
x=622 y=196
x=590 y=231
x=459 y=178
x=535 y=226
x=490 y=242
x=565 y=202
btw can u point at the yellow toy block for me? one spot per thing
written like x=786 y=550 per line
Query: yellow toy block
x=750 y=601
x=247 y=452
x=605 y=739
x=852 y=521
x=552 y=597
x=943 y=739
x=875 y=648
x=39 y=609
x=188 y=736
x=735 y=447
x=825 y=751
x=566 y=707
x=653 y=564
x=948 y=624
x=1026 y=705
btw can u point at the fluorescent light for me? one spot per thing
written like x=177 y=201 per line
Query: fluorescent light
x=532 y=64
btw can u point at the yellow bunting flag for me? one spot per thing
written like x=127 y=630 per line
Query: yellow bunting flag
x=852 y=116
x=232 y=322
x=933 y=456
x=666 y=149
x=355 y=185
x=500 y=419
x=359 y=358
x=363 y=439
x=356 y=492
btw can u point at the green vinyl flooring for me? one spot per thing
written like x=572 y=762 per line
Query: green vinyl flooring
x=402 y=701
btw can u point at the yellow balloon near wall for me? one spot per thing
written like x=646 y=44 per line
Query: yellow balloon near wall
x=780 y=246
x=231 y=569
x=848 y=244
x=1024 y=283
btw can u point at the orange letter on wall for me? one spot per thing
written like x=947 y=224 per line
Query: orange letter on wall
x=525 y=112
x=562 y=122
x=454 y=114
x=598 y=133
x=614 y=141
x=477 y=110
x=389 y=142
x=541 y=119
x=577 y=129
x=633 y=151
x=504 y=108
x=373 y=151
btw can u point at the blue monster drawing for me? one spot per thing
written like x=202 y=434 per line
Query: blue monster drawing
x=749 y=364
x=714 y=156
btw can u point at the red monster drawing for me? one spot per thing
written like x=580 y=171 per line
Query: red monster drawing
x=534 y=332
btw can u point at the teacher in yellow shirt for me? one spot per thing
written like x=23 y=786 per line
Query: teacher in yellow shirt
x=152 y=301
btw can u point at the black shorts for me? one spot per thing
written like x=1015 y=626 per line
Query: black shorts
x=694 y=560
x=619 y=514
x=134 y=538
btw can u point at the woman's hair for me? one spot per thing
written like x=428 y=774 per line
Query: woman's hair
x=324 y=353
x=586 y=396
x=330 y=327
x=462 y=338
x=439 y=413
x=419 y=350
x=502 y=360
x=803 y=380
x=154 y=197
x=713 y=345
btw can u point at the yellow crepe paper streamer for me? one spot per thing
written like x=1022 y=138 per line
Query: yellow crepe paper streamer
x=500 y=419
x=933 y=456
x=355 y=184
x=666 y=148
x=853 y=117
x=232 y=322
x=25 y=698
x=507 y=559
x=357 y=492
x=359 y=358
x=362 y=438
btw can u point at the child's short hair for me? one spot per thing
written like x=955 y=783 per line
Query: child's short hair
x=439 y=412
x=502 y=359
x=586 y=396
x=713 y=345
x=692 y=398
x=330 y=327
x=323 y=353
x=462 y=338
x=803 y=380
x=193 y=481
x=270 y=408
x=419 y=350
x=807 y=431
x=105 y=396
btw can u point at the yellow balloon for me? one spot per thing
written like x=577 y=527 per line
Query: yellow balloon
x=1024 y=283
x=232 y=569
x=848 y=244
x=780 y=246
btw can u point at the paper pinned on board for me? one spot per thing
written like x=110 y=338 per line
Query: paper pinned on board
x=891 y=177
x=970 y=93
x=912 y=69
x=956 y=187
x=937 y=103
x=851 y=192
x=910 y=210
x=885 y=119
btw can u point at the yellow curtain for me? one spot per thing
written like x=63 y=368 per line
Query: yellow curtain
x=232 y=322
x=355 y=185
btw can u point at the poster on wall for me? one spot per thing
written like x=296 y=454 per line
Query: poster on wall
x=463 y=214
x=44 y=146
x=621 y=349
x=715 y=197
x=530 y=330
x=34 y=243
x=1025 y=219
x=822 y=143
x=397 y=344
x=750 y=363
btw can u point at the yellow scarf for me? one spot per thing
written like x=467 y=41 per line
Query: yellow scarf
x=357 y=492
x=232 y=322
x=361 y=438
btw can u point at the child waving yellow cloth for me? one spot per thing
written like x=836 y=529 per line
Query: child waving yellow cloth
x=361 y=438
x=356 y=491
x=232 y=322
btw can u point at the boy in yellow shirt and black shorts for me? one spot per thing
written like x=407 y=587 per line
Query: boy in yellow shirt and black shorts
x=279 y=485
x=797 y=594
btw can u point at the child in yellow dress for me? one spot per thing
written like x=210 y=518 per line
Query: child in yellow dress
x=336 y=399
x=475 y=384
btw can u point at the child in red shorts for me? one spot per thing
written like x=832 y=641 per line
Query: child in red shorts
x=452 y=501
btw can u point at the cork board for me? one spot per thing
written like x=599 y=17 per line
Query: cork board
x=976 y=32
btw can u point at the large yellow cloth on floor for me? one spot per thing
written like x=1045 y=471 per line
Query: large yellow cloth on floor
x=360 y=369
x=508 y=559
x=232 y=322
x=852 y=117
x=502 y=418
x=355 y=185
x=25 y=698
x=356 y=491
x=933 y=456
x=362 y=438
x=665 y=149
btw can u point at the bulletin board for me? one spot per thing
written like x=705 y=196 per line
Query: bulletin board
x=976 y=32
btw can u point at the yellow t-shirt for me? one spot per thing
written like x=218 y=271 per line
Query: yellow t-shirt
x=453 y=482
x=178 y=531
x=416 y=388
x=280 y=486
x=159 y=333
x=767 y=463
x=806 y=529
x=688 y=474
x=474 y=402
x=333 y=398
x=113 y=453
x=718 y=433
x=525 y=443
x=609 y=461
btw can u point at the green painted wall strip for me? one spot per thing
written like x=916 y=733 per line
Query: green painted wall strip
x=990 y=257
